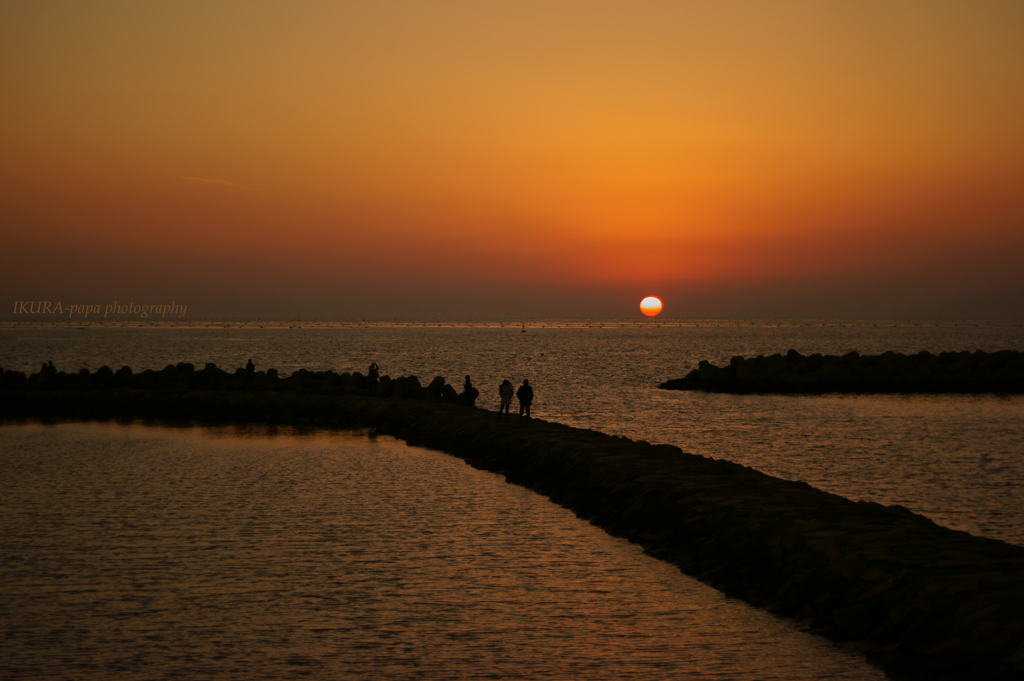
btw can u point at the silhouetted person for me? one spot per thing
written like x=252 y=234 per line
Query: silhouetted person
x=469 y=393
x=373 y=373
x=525 y=395
x=505 y=390
x=250 y=367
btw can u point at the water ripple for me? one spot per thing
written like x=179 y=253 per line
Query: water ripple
x=141 y=553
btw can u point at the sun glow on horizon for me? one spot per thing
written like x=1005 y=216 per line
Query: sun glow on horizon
x=744 y=159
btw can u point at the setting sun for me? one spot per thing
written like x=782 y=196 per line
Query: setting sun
x=650 y=306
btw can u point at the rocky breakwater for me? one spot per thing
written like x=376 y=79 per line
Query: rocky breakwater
x=184 y=376
x=890 y=372
x=922 y=601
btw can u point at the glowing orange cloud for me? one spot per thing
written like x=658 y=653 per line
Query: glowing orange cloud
x=661 y=146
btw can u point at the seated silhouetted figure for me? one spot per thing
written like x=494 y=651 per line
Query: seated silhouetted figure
x=250 y=367
x=469 y=393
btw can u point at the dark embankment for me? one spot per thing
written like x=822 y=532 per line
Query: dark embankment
x=891 y=372
x=184 y=376
x=922 y=601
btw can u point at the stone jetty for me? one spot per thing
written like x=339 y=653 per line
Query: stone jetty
x=184 y=375
x=919 y=600
x=890 y=372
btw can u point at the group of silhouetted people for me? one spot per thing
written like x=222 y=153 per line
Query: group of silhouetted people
x=469 y=394
x=524 y=394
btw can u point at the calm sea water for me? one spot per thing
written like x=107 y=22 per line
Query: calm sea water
x=957 y=459
x=151 y=553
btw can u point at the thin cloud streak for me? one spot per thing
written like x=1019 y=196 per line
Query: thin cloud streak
x=220 y=182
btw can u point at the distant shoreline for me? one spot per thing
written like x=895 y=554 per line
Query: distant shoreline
x=29 y=322
x=919 y=600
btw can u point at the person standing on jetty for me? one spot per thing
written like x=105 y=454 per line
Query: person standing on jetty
x=525 y=395
x=373 y=373
x=505 y=390
x=250 y=367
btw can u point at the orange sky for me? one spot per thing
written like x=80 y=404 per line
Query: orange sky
x=497 y=159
